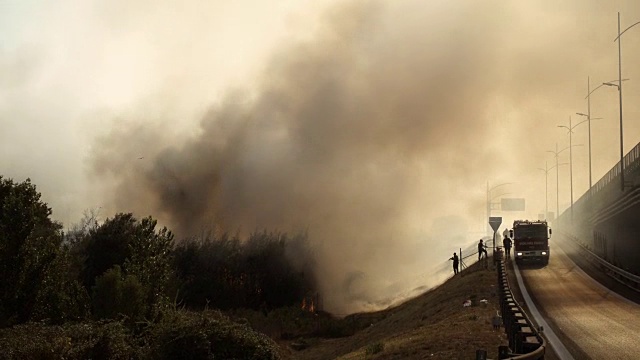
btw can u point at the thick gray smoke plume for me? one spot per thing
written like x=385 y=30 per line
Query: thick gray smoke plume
x=353 y=136
x=364 y=135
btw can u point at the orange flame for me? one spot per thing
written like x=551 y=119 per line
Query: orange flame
x=308 y=305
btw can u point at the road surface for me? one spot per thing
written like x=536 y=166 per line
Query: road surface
x=590 y=319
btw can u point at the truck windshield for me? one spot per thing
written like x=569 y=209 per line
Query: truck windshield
x=530 y=231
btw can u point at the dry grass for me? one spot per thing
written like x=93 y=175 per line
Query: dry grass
x=433 y=325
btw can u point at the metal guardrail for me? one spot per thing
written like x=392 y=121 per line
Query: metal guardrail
x=618 y=274
x=525 y=341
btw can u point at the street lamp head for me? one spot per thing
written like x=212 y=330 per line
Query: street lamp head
x=581 y=114
x=610 y=84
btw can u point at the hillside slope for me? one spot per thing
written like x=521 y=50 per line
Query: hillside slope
x=434 y=325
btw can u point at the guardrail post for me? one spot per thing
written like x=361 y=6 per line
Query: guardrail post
x=529 y=343
x=481 y=354
x=523 y=337
x=513 y=313
x=504 y=352
x=516 y=326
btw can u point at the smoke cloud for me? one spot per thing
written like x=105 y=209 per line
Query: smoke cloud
x=376 y=131
x=350 y=135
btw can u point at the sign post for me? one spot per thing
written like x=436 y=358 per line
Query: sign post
x=495 y=222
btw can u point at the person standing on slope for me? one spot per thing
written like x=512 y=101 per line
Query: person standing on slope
x=455 y=263
x=482 y=250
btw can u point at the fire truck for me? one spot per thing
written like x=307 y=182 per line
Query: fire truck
x=531 y=240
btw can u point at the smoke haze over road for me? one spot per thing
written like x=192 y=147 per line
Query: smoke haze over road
x=373 y=125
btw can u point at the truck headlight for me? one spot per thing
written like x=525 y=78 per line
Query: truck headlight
x=544 y=253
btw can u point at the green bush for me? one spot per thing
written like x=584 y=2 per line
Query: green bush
x=33 y=264
x=178 y=335
x=96 y=341
x=114 y=296
x=139 y=249
x=104 y=341
x=207 y=335
x=33 y=341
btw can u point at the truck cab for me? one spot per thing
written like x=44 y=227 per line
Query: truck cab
x=531 y=241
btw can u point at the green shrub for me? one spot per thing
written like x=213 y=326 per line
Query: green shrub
x=33 y=341
x=114 y=296
x=177 y=335
x=207 y=335
x=109 y=340
x=33 y=263
x=103 y=341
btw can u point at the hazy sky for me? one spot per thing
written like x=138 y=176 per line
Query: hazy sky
x=376 y=125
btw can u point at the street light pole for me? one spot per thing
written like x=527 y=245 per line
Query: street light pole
x=546 y=182
x=619 y=40
x=589 y=119
x=546 y=189
x=571 y=166
x=620 y=101
x=588 y=116
x=556 y=154
x=570 y=128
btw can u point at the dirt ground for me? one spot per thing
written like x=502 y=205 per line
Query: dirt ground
x=434 y=325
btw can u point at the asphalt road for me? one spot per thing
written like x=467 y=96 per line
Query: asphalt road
x=591 y=320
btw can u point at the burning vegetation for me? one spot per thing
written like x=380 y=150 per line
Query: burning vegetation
x=310 y=303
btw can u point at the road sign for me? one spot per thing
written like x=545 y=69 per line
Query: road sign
x=512 y=204
x=495 y=222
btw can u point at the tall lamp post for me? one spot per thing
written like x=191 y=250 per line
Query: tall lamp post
x=556 y=153
x=588 y=120
x=570 y=130
x=546 y=186
x=588 y=115
x=546 y=189
x=619 y=85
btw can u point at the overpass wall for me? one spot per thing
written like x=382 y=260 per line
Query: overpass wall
x=606 y=218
